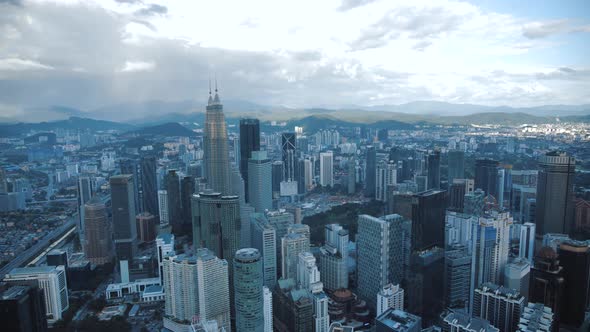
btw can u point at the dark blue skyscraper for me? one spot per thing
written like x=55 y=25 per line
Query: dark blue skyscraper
x=149 y=185
x=249 y=141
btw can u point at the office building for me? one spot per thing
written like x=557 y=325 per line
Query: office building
x=292 y=245
x=456 y=165
x=536 y=318
x=85 y=192
x=308 y=173
x=22 y=309
x=146 y=227
x=97 y=243
x=386 y=176
x=172 y=181
x=326 y=169
x=216 y=147
x=260 y=181
x=390 y=297
x=57 y=257
x=394 y=320
x=574 y=257
x=249 y=301
x=216 y=223
x=149 y=185
x=267 y=309
x=277 y=177
x=425 y=284
x=457 y=191
x=499 y=305
x=351 y=177
x=123 y=211
x=526 y=248
x=370 y=171
x=474 y=203
x=517 y=276
x=263 y=238
x=380 y=256
x=428 y=219
x=433 y=164
x=555 y=194
x=486 y=176
x=292 y=308
x=163 y=207
x=333 y=258
x=457 y=277
x=51 y=280
x=547 y=283
x=130 y=166
x=187 y=189
x=288 y=156
x=249 y=141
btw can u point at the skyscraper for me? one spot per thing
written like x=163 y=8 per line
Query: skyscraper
x=333 y=258
x=486 y=176
x=174 y=201
x=457 y=277
x=214 y=291
x=289 y=158
x=517 y=276
x=180 y=287
x=146 y=227
x=425 y=284
x=249 y=141
x=456 y=165
x=277 y=177
x=130 y=166
x=267 y=303
x=370 y=171
x=434 y=170
x=327 y=169
x=51 y=280
x=164 y=247
x=248 y=283
x=187 y=189
x=260 y=181
x=547 y=282
x=386 y=176
x=216 y=150
x=216 y=223
x=526 y=248
x=123 y=206
x=457 y=191
x=428 y=219
x=163 y=207
x=22 y=309
x=292 y=245
x=85 y=192
x=390 y=296
x=264 y=239
x=574 y=256
x=379 y=254
x=149 y=185
x=555 y=194
x=97 y=244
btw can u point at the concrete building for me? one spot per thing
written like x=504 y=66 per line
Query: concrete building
x=536 y=318
x=163 y=207
x=22 y=309
x=260 y=181
x=327 y=169
x=248 y=281
x=97 y=243
x=123 y=209
x=397 y=321
x=292 y=245
x=517 y=276
x=526 y=248
x=390 y=297
x=263 y=238
x=499 y=305
x=333 y=258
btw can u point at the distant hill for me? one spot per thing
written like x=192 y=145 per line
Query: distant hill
x=166 y=129
x=72 y=123
x=316 y=122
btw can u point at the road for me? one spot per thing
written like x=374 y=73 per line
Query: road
x=38 y=247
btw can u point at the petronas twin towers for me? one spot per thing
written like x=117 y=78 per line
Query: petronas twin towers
x=216 y=148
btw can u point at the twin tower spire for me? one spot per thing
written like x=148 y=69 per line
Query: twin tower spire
x=213 y=100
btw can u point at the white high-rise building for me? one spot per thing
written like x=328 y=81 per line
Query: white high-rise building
x=267 y=299
x=386 y=175
x=308 y=274
x=308 y=173
x=327 y=169
x=213 y=281
x=164 y=247
x=391 y=296
x=163 y=206
x=526 y=248
x=291 y=246
x=263 y=238
x=180 y=288
x=52 y=280
x=333 y=256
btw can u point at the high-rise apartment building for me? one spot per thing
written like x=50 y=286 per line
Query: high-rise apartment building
x=390 y=297
x=536 y=317
x=292 y=245
x=499 y=305
x=370 y=171
x=163 y=207
x=267 y=307
x=263 y=238
x=386 y=176
x=214 y=291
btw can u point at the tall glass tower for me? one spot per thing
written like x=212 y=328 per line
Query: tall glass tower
x=248 y=290
x=249 y=141
x=216 y=150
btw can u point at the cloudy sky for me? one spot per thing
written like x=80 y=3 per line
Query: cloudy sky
x=299 y=53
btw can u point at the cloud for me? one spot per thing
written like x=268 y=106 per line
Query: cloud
x=152 y=9
x=12 y=2
x=15 y=64
x=135 y=66
x=537 y=30
x=421 y=24
x=350 y=4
